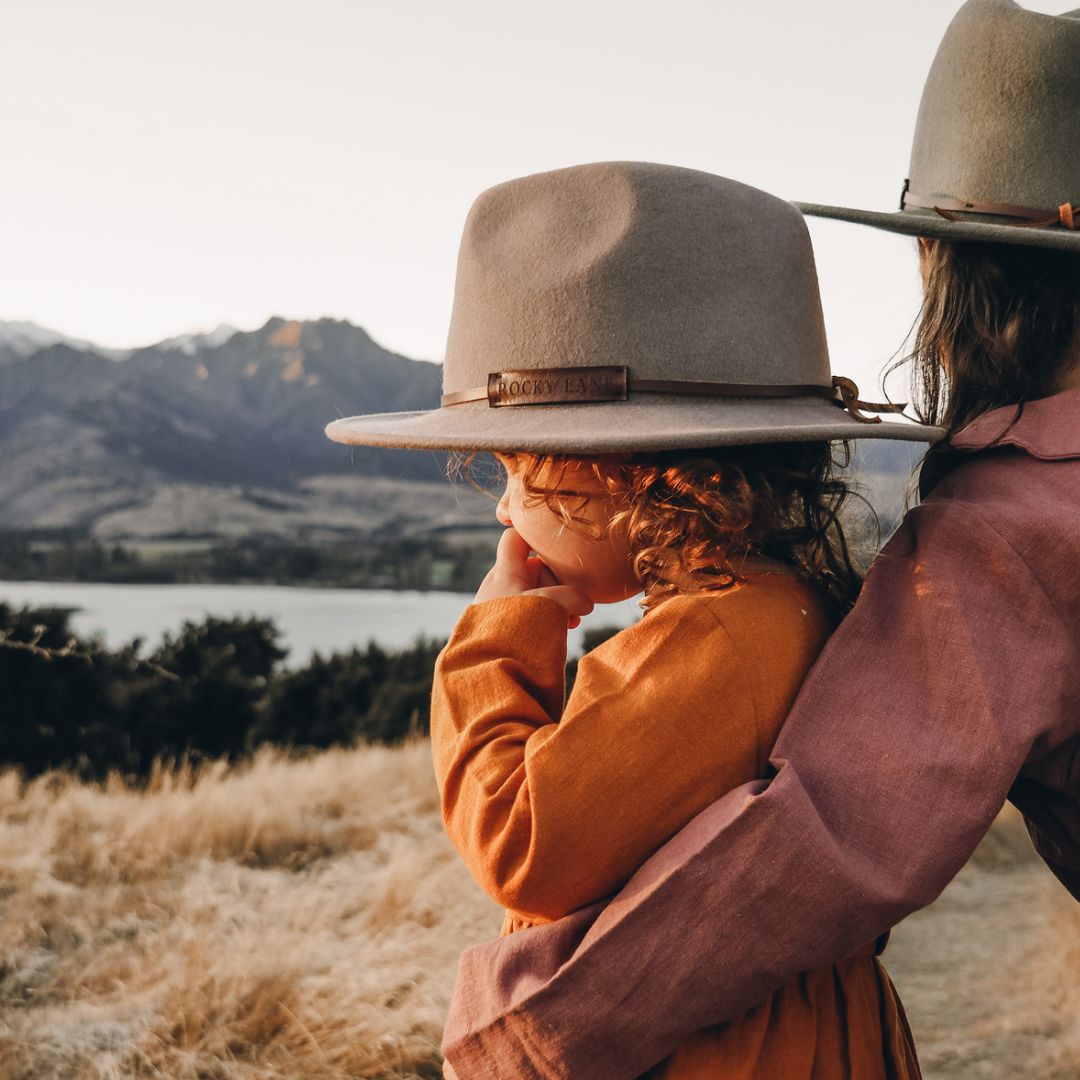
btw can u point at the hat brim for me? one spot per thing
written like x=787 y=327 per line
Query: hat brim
x=920 y=222
x=644 y=422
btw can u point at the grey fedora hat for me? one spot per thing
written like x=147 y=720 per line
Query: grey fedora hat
x=625 y=306
x=996 y=153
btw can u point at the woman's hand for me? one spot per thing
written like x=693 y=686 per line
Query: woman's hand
x=517 y=572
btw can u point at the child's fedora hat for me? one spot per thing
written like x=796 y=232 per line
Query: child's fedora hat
x=625 y=306
x=996 y=154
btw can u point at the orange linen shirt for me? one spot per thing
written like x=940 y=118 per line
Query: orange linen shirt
x=555 y=806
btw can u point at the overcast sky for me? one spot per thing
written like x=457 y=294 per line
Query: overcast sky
x=170 y=165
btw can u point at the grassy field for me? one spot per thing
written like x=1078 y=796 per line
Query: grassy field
x=303 y=918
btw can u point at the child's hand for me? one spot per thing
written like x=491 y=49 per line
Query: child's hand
x=517 y=572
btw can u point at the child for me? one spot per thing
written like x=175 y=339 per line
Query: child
x=641 y=347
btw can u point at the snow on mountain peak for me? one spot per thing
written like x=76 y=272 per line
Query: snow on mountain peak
x=196 y=339
x=25 y=337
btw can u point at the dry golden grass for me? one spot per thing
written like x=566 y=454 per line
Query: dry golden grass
x=303 y=919
x=292 y=918
x=990 y=973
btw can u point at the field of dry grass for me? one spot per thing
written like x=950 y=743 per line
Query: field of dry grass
x=296 y=919
x=990 y=973
x=303 y=918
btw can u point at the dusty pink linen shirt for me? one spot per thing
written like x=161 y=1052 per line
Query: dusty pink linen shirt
x=952 y=686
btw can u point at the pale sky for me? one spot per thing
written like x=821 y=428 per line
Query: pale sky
x=172 y=164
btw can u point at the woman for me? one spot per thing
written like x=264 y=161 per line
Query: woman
x=950 y=687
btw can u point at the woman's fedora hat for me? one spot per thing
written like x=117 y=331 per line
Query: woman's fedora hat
x=626 y=306
x=996 y=154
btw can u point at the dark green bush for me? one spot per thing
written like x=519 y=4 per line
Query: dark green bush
x=366 y=695
x=223 y=669
x=53 y=708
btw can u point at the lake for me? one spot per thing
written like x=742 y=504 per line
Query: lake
x=311 y=620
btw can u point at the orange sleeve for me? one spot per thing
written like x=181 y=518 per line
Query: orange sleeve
x=554 y=807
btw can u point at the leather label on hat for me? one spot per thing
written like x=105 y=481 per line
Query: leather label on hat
x=557 y=386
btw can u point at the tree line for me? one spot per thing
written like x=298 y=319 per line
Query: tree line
x=380 y=562
x=214 y=689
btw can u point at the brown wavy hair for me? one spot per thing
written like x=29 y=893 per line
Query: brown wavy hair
x=691 y=516
x=995 y=328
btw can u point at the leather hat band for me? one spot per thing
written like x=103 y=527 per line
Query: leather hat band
x=1066 y=214
x=560 y=386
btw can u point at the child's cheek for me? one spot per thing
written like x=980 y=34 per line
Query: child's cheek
x=539 y=532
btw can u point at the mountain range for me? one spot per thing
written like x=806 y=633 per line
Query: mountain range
x=86 y=432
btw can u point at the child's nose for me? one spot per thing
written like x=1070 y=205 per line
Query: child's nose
x=502 y=511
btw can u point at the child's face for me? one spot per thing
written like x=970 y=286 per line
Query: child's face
x=601 y=569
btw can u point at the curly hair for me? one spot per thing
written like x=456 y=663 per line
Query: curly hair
x=690 y=517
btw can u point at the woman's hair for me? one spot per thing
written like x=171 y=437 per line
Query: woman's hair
x=995 y=327
x=690 y=516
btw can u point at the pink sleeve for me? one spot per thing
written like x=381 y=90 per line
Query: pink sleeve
x=897 y=756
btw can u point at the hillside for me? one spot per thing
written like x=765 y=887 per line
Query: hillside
x=84 y=435
x=303 y=919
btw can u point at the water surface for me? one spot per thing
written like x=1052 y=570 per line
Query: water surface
x=311 y=620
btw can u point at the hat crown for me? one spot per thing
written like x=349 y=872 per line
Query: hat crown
x=999 y=119
x=674 y=273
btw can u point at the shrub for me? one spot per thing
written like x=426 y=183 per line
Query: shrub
x=224 y=668
x=366 y=695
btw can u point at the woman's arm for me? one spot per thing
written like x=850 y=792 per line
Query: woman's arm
x=553 y=808
x=952 y=669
